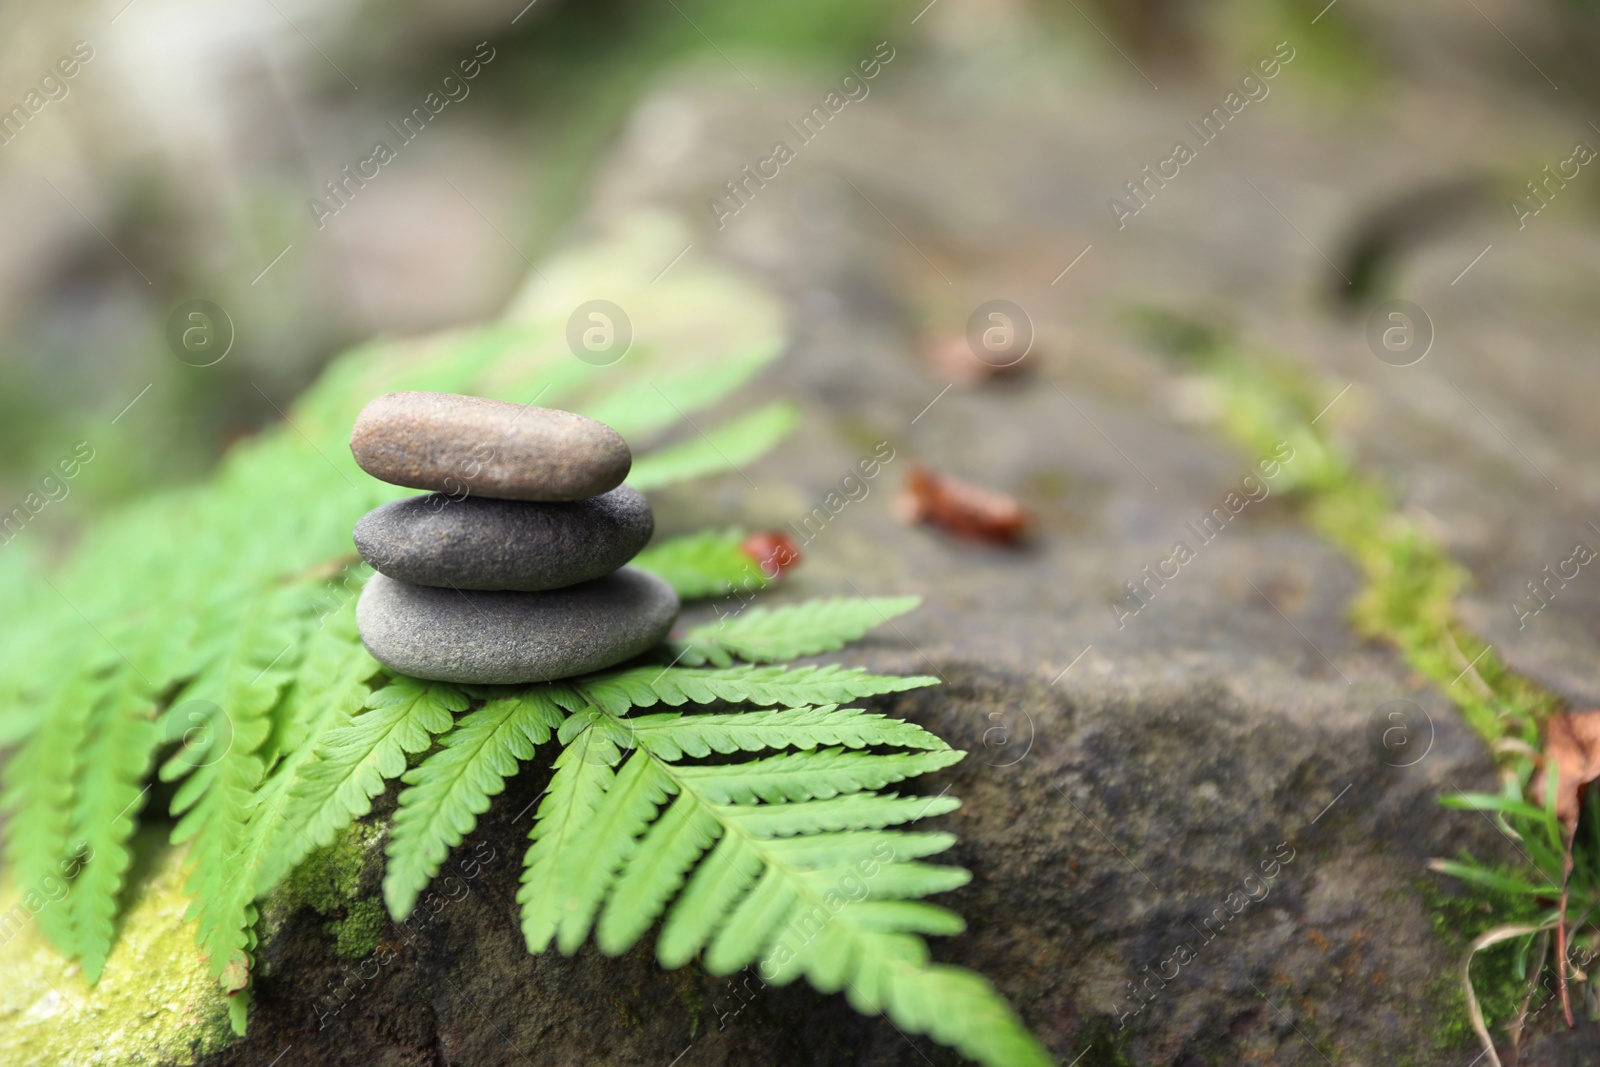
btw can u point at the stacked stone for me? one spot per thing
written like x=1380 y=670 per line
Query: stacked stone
x=512 y=568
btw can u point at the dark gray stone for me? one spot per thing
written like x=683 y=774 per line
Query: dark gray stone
x=470 y=445
x=506 y=638
x=478 y=543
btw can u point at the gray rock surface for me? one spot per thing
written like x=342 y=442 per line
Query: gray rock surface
x=479 y=543
x=502 y=638
x=1122 y=780
x=474 y=446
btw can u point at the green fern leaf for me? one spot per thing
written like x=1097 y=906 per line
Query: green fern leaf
x=39 y=800
x=451 y=788
x=809 y=775
x=116 y=757
x=785 y=861
x=206 y=597
x=849 y=811
x=703 y=564
x=660 y=864
x=564 y=871
x=216 y=801
x=352 y=762
x=726 y=448
x=671 y=737
x=770 y=635
x=790 y=687
x=664 y=400
x=330 y=688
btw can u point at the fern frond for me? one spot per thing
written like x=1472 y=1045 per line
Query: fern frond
x=809 y=628
x=809 y=775
x=353 y=761
x=705 y=564
x=564 y=869
x=207 y=595
x=216 y=800
x=785 y=861
x=449 y=790
x=727 y=447
x=643 y=407
x=117 y=753
x=39 y=800
x=671 y=737
x=790 y=687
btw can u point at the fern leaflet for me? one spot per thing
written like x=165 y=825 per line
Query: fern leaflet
x=721 y=449
x=353 y=761
x=449 y=790
x=789 y=687
x=644 y=407
x=216 y=800
x=770 y=635
x=672 y=737
x=40 y=803
x=782 y=861
x=705 y=564
x=119 y=745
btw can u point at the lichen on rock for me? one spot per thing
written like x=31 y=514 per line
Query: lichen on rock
x=155 y=1003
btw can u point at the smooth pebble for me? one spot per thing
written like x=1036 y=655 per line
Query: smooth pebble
x=489 y=638
x=478 y=543
x=474 y=446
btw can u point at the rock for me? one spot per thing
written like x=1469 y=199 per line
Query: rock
x=479 y=543
x=479 y=447
x=501 y=638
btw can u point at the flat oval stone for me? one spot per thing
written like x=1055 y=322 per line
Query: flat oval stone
x=508 y=638
x=478 y=543
x=470 y=445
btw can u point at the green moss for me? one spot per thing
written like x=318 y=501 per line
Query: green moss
x=329 y=883
x=1338 y=62
x=1410 y=599
x=330 y=878
x=1458 y=918
x=357 y=933
x=693 y=997
x=155 y=1003
x=1106 y=1047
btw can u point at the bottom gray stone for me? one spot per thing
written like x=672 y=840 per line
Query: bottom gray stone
x=499 y=638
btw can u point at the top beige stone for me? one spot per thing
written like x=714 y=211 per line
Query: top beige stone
x=473 y=446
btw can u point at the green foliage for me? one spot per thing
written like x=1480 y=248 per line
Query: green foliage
x=768 y=686
x=783 y=861
x=704 y=564
x=209 y=633
x=449 y=790
x=767 y=635
x=213 y=627
x=729 y=446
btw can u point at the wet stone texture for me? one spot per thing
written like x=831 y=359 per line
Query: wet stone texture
x=1124 y=781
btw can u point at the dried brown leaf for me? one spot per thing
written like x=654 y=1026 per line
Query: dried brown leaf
x=961 y=508
x=1572 y=754
x=952 y=358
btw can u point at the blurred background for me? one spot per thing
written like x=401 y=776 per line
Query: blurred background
x=180 y=160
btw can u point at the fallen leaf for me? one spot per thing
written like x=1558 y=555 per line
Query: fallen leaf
x=773 y=550
x=1572 y=750
x=1572 y=754
x=952 y=358
x=961 y=508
